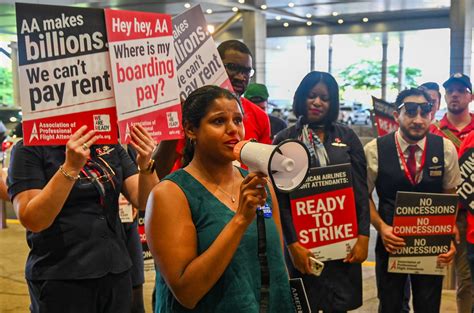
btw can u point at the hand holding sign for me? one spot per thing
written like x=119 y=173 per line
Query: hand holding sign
x=300 y=257
x=390 y=240
x=77 y=150
x=359 y=252
x=447 y=258
x=143 y=144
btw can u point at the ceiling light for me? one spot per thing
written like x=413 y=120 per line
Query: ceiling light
x=286 y=24
x=209 y=11
x=187 y=5
x=309 y=23
x=235 y=9
x=308 y=15
x=211 y=28
x=340 y=21
x=291 y=4
x=365 y=19
x=335 y=13
x=241 y=1
x=278 y=17
x=263 y=7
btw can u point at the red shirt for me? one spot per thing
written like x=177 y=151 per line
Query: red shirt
x=446 y=124
x=468 y=143
x=256 y=123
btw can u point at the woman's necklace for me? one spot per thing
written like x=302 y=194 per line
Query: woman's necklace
x=230 y=195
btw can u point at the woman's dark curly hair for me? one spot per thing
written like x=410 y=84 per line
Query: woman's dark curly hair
x=196 y=107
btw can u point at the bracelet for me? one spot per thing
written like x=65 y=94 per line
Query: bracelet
x=149 y=169
x=67 y=175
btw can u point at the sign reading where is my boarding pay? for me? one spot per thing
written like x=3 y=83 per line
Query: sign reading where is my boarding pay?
x=64 y=74
x=324 y=213
x=426 y=222
x=142 y=59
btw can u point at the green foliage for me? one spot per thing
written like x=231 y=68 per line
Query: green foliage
x=367 y=75
x=6 y=86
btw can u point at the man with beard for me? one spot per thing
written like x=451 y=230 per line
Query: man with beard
x=456 y=124
x=400 y=161
x=432 y=89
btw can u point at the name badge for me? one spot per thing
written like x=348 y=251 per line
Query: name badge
x=267 y=211
x=436 y=173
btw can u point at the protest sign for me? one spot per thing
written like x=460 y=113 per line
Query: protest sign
x=426 y=222
x=466 y=188
x=142 y=59
x=324 y=213
x=64 y=74
x=149 y=264
x=384 y=118
x=197 y=59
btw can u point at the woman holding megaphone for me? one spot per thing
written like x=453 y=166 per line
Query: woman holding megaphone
x=200 y=220
x=316 y=105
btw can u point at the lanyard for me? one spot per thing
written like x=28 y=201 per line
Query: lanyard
x=413 y=180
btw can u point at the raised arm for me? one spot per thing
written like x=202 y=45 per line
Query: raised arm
x=137 y=188
x=172 y=239
x=37 y=208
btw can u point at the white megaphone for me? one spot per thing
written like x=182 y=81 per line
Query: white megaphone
x=286 y=164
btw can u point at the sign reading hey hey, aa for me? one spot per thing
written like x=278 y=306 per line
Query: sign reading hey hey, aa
x=426 y=222
x=64 y=74
x=197 y=59
x=142 y=58
x=324 y=213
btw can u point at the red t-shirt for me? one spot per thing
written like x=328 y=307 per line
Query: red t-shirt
x=256 y=123
x=446 y=124
x=467 y=144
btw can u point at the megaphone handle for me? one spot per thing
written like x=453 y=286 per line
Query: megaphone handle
x=262 y=259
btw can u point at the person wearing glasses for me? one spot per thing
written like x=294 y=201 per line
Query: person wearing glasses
x=456 y=125
x=67 y=199
x=201 y=220
x=400 y=161
x=237 y=60
x=316 y=104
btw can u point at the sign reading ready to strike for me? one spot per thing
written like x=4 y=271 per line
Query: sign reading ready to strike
x=426 y=222
x=324 y=213
x=64 y=74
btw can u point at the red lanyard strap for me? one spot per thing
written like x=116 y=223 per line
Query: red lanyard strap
x=413 y=180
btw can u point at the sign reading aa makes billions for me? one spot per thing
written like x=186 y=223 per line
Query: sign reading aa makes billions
x=197 y=59
x=324 y=213
x=64 y=73
x=426 y=222
x=142 y=58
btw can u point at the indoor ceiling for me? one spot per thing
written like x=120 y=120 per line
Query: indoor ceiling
x=297 y=13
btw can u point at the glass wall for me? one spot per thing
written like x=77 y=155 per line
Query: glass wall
x=356 y=62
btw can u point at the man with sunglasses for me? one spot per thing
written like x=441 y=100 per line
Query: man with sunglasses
x=401 y=161
x=456 y=125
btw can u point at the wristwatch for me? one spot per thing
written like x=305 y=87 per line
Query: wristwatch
x=149 y=169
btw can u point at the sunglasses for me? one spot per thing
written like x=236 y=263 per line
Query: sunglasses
x=234 y=69
x=411 y=108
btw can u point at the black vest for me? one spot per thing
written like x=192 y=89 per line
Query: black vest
x=391 y=178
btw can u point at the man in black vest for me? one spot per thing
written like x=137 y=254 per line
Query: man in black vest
x=400 y=161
